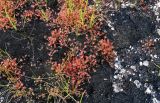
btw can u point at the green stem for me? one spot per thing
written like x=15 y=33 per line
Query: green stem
x=7 y=15
x=81 y=97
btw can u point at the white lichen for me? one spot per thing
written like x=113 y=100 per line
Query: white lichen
x=137 y=83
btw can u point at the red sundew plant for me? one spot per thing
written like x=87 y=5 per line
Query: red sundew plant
x=54 y=36
x=10 y=71
x=38 y=13
x=76 y=15
x=28 y=15
x=7 y=13
x=85 y=51
x=38 y=10
x=76 y=68
x=44 y=15
x=9 y=68
x=107 y=50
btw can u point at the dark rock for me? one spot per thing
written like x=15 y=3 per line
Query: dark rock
x=130 y=26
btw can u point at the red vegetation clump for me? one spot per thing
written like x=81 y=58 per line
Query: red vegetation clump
x=76 y=38
x=9 y=68
x=54 y=36
x=38 y=10
x=105 y=46
x=11 y=72
x=148 y=44
x=28 y=15
x=75 y=15
x=7 y=13
x=76 y=68
x=75 y=25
